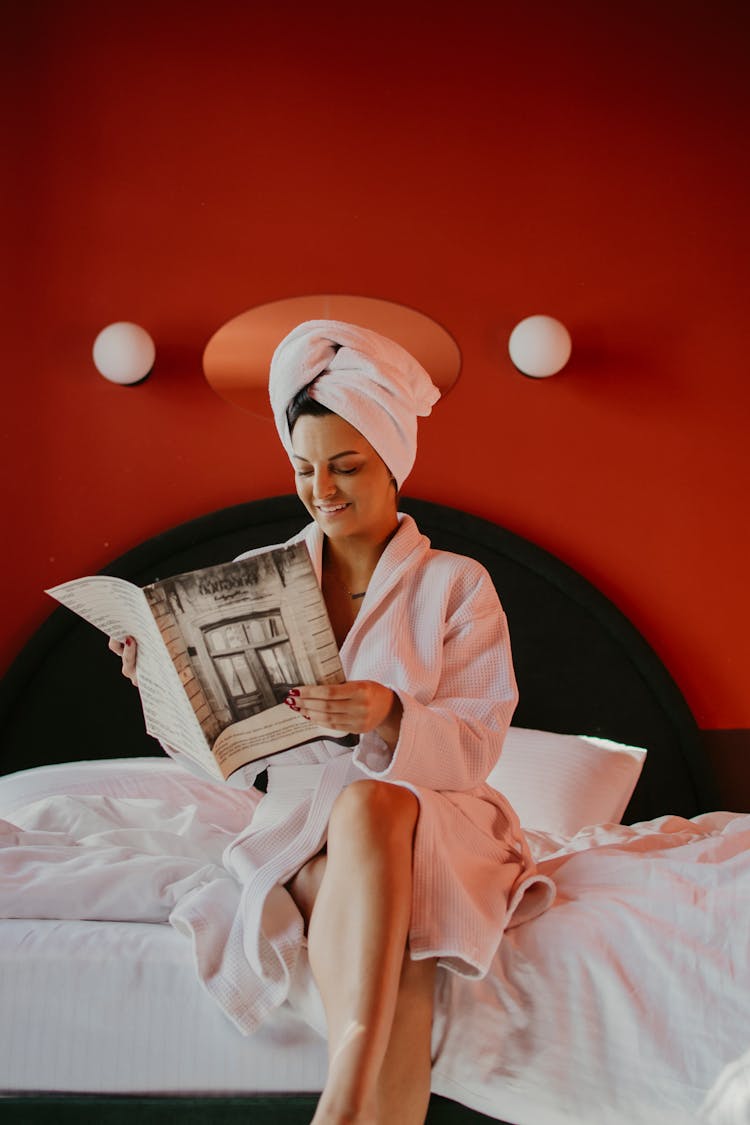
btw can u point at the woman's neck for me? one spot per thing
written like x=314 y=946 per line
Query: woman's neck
x=353 y=560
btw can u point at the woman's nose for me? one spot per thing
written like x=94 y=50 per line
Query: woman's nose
x=323 y=485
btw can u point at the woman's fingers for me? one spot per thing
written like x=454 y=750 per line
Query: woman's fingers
x=129 y=657
x=324 y=706
x=128 y=651
x=358 y=706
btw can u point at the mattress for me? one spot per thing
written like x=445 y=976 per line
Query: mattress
x=114 y=1007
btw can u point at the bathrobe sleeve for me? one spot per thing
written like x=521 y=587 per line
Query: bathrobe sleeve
x=452 y=740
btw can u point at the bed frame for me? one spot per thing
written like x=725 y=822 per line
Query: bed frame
x=582 y=668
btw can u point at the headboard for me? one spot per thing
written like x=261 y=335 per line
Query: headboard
x=582 y=667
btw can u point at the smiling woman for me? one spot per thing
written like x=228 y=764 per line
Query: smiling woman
x=396 y=856
x=413 y=626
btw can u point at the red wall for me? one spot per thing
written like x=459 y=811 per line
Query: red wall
x=178 y=163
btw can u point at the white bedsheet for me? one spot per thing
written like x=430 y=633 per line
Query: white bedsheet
x=627 y=1002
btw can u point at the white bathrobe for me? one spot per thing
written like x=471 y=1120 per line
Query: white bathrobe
x=431 y=628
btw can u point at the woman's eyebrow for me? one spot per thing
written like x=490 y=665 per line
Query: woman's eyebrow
x=346 y=453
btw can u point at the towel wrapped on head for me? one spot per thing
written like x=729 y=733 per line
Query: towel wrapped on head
x=368 y=380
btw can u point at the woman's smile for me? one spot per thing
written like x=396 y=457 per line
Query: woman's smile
x=328 y=509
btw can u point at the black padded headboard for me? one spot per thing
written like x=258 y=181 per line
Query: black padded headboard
x=582 y=668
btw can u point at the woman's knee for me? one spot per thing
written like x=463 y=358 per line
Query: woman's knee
x=374 y=808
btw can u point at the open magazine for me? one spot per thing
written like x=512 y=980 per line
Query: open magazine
x=218 y=651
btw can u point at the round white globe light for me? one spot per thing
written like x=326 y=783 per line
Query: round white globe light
x=124 y=353
x=540 y=346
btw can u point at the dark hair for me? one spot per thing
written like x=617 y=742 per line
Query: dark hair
x=304 y=403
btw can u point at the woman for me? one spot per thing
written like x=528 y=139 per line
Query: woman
x=395 y=857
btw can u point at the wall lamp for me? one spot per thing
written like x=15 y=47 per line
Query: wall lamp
x=539 y=346
x=124 y=353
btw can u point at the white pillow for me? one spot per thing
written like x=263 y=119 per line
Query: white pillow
x=159 y=778
x=561 y=783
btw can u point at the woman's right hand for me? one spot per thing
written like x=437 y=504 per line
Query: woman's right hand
x=128 y=650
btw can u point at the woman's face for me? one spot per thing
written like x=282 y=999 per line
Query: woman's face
x=344 y=484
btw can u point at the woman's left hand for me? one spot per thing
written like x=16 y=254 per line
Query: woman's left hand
x=356 y=707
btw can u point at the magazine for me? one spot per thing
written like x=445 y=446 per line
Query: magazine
x=219 y=650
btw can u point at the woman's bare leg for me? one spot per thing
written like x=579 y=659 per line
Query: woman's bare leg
x=404 y=1082
x=357 y=938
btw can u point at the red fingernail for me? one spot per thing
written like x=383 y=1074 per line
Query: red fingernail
x=128 y=641
x=293 y=691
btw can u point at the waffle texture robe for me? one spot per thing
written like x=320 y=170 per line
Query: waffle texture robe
x=431 y=628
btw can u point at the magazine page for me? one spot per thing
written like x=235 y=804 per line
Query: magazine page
x=240 y=635
x=266 y=734
x=119 y=608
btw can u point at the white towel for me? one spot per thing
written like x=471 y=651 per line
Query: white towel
x=368 y=380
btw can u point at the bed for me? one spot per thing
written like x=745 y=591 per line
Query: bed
x=625 y=1002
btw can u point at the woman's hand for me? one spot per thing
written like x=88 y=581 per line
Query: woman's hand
x=356 y=707
x=128 y=650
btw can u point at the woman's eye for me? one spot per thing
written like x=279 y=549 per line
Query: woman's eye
x=334 y=469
